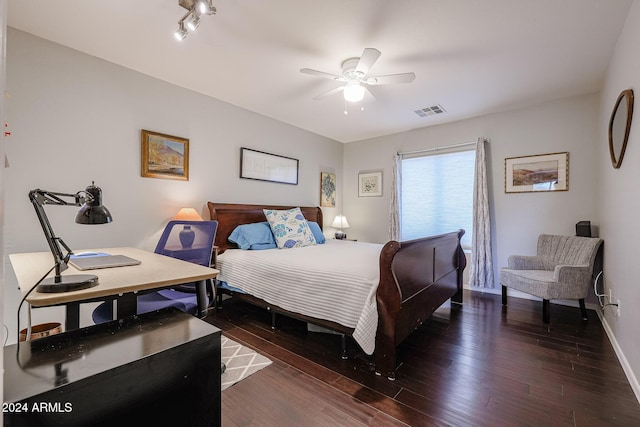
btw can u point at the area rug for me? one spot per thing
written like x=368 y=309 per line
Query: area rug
x=240 y=362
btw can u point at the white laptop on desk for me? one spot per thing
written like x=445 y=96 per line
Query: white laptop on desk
x=101 y=260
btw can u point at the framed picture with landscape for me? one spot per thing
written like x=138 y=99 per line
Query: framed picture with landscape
x=542 y=172
x=164 y=156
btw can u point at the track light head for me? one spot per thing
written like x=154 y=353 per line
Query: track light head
x=181 y=32
x=193 y=21
x=205 y=7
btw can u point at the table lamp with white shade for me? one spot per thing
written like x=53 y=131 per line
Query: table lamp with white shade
x=340 y=222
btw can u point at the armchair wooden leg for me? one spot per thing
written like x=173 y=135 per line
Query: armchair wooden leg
x=583 y=309
x=545 y=310
x=504 y=295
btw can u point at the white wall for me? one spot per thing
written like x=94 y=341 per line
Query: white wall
x=564 y=125
x=619 y=201
x=76 y=118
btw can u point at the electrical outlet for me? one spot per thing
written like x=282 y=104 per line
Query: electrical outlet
x=618 y=308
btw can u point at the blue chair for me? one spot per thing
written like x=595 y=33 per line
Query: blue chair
x=186 y=240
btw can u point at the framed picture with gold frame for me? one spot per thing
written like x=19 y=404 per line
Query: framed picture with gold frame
x=164 y=156
x=542 y=172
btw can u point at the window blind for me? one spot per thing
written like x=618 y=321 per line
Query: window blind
x=437 y=195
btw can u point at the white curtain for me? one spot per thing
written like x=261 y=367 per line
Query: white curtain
x=481 y=269
x=394 y=210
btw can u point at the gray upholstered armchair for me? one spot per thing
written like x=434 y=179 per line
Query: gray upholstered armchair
x=562 y=269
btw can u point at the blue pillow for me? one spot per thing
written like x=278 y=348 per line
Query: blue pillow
x=317 y=232
x=254 y=236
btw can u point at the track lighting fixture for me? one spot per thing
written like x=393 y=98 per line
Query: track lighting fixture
x=181 y=32
x=191 y=20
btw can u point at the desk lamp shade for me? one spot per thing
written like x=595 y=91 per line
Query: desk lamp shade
x=91 y=212
x=340 y=222
x=187 y=235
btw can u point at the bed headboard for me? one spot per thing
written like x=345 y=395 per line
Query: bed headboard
x=231 y=215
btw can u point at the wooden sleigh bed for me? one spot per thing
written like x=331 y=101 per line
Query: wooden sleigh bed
x=416 y=277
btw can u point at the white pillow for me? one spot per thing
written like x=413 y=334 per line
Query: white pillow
x=290 y=228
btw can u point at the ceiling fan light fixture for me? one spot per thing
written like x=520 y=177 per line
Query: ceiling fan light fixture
x=356 y=78
x=353 y=92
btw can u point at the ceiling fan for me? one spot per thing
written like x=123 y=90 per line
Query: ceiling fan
x=355 y=75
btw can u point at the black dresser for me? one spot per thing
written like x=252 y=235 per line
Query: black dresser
x=162 y=368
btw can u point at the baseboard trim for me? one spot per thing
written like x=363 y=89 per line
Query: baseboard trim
x=517 y=294
x=628 y=371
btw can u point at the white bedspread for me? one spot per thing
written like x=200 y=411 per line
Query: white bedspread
x=335 y=281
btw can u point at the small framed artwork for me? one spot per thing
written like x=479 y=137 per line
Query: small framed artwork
x=370 y=184
x=327 y=189
x=263 y=166
x=542 y=172
x=164 y=156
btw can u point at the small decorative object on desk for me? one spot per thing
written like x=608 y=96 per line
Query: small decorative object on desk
x=340 y=222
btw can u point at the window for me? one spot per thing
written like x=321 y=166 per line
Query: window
x=437 y=195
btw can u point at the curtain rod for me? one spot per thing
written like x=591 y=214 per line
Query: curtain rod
x=437 y=148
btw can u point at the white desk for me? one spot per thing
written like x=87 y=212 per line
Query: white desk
x=122 y=283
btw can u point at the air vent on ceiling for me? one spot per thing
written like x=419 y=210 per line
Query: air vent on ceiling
x=430 y=111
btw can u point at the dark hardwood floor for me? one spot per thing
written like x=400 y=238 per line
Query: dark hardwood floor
x=473 y=365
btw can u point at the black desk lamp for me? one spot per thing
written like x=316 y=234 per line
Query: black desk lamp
x=91 y=212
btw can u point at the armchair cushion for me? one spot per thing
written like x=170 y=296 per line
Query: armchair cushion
x=522 y=262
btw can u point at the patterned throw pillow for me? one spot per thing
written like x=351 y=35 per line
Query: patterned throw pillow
x=290 y=228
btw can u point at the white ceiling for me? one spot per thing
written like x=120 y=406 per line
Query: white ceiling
x=471 y=56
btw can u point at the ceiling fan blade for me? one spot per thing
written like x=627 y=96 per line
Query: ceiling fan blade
x=329 y=93
x=390 y=79
x=369 y=92
x=320 y=74
x=368 y=58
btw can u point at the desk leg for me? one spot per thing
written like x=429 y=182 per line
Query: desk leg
x=126 y=305
x=72 y=316
x=201 y=296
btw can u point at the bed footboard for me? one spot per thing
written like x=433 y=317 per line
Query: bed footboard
x=416 y=277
